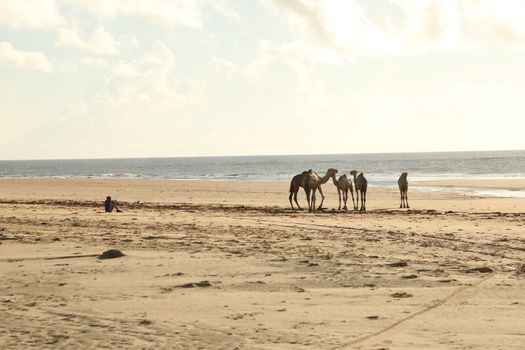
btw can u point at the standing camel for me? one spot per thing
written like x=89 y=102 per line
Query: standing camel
x=313 y=183
x=343 y=184
x=403 y=190
x=297 y=182
x=361 y=185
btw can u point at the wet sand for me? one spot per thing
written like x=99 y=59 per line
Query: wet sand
x=498 y=184
x=226 y=265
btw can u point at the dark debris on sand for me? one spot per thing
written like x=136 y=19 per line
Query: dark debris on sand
x=200 y=284
x=401 y=295
x=482 y=269
x=397 y=264
x=111 y=254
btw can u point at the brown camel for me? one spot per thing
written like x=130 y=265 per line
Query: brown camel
x=343 y=184
x=361 y=185
x=403 y=190
x=297 y=182
x=313 y=183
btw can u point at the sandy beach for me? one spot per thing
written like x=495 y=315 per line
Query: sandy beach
x=228 y=265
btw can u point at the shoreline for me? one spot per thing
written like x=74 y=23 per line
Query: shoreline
x=452 y=184
x=255 y=193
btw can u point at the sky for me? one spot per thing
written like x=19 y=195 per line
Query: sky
x=167 y=78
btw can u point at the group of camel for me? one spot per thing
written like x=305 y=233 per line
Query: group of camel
x=311 y=182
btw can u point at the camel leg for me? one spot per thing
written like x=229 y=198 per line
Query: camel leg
x=353 y=202
x=306 y=194
x=290 y=199
x=363 y=200
x=296 y=202
x=313 y=200
x=308 y=199
x=406 y=199
x=401 y=198
x=361 y=193
x=357 y=194
x=322 y=198
x=339 y=193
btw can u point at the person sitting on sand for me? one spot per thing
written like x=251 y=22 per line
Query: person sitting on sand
x=109 y=205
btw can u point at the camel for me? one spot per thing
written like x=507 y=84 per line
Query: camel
x=403 y=190
x=361 y=185
x=343 y=184
x=297 y=182
x=313 y=183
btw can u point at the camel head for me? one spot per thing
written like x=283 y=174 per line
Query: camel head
x=404 y=174
x=331 y=171
x=353 y=172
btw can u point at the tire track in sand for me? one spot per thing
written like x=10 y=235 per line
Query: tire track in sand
x=437 y=304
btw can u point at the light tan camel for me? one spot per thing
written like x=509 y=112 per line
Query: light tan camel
x=403 y=190
x=297 y=182
x=313 y=183
x=343 y=184
x=361 y=185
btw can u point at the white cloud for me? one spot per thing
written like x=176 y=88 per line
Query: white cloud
x=161 y=59
x=496 y=22
x=125 y=69
x=93 y=62
x=220 y=68
x=77 y=63
x=26 y=60
x=147 y=86
x=340 y=26
x=34 y=14
x=129 y=41
x=347 y=29
x=68 y=112
x=431 y=24
x=477 y=90
x=162 y=12
x=300 y=58
x=225 y=8
x=99 y=42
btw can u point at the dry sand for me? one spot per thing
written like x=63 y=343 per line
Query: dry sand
x=227 y=265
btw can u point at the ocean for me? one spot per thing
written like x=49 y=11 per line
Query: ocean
x=381 y=169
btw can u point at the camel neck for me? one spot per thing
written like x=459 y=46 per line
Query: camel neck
x=325 y=178
x=334 y=180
